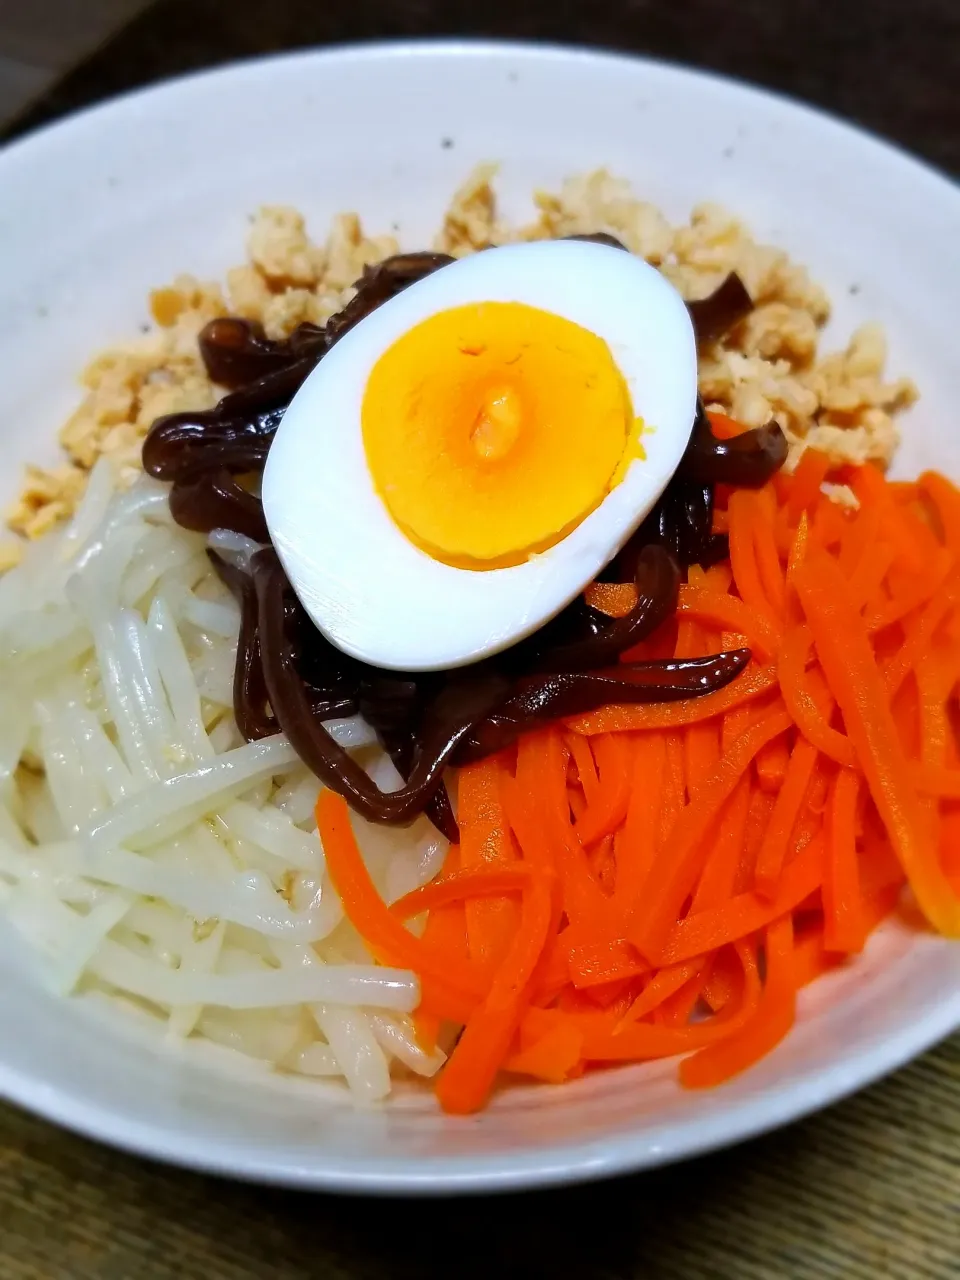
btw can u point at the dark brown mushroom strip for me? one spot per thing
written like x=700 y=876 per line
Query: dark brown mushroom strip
x=536 y=700
x=250 y=703
x=748 y=460
x=682 y=523
x=182 y=446
x=462 y=703
x=214 y=500
x=237 y=352
x=438 y=809
x=380 y=283
x=716 y=314
x=330 y=698
x=601 y=237
x=392 y=703
x=582 y=639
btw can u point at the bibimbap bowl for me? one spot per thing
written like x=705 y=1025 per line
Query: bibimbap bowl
x=106 y=206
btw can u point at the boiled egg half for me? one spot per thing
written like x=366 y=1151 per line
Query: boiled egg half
x=467 y=458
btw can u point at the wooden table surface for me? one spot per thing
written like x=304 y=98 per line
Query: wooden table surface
x=870 y=1188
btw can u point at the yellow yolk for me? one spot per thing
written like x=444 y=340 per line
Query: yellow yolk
x=492 y=430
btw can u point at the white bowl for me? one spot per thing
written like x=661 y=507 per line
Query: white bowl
x=101 y=207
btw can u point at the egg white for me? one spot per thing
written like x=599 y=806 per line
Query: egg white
x=374 y=593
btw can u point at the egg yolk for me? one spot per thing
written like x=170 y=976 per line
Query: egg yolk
x=493 y=429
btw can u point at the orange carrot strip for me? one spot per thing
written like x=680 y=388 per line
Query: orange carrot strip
x=798 y=547
x=758 y=819
x=585 y=765
x=946 y=501
x=811 y=959
x=775 y=1016
x=594 y=963
x=639 y=1041
x=553 y=1057
x=609 y=807
x=865 y=582
x=844 y=928
x=935 y=780
x=665 y=983
x=637 y=846
x=743 y=556
x=810 y=474
x=642 y=1042
x=918 y=642
x=723 y=860
x=657 y=914
x=870 y=486
x=786 y=810
x=917 y=592
x=541 y=787
x=745 y=913
x=456 y=983
x=860 y=537
x=724 y=427
x=754 y=682
x=485 y=841
x=674 y=785
x=701 y=742
x=726 y=612
x=445 y=931
x=829 y=526
x=855 y=681
x=802 y=705
x=718 y=577
x=482 y=882
x=738 y=720
x=677 y=1009
x=772 y=763
x=468 y=1076
x=724 y=980
x=616 y=599
x=772 y=578
x=950 y=849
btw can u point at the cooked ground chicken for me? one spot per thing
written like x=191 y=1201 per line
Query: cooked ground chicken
x=768 y=367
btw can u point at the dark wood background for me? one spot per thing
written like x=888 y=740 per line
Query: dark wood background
x=868 y=1189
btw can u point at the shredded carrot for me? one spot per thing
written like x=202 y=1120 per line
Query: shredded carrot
x=783 y=820
x=842 y=903
x=637 y=847
x=856 y=683
x=730 y=613
x=457 y=985
x=774 y=1016
x=772 y=763
x=554 y=1057
x=724 y=428
x=659 y=911
x=444 y=931
x=720 y=871
x=806 y=711
x=644 y=882
x=946 y=502
x=469 y=1074
x=486 y=841
x=616 y=599
x=810 y=474
x=607 y=809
